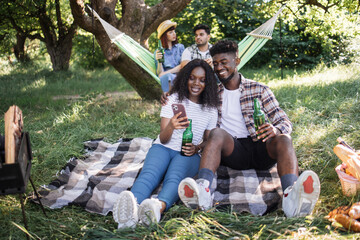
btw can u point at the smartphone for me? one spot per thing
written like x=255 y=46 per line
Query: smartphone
x=176 y=107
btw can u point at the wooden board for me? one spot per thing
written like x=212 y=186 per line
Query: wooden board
x=13 y=129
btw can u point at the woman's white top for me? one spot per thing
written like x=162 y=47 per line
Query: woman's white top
x=202 y=119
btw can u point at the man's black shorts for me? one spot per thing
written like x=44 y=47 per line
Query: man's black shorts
x=248 y=155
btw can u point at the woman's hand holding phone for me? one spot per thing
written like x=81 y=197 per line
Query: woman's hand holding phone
x=178 y=122
x=179 y=108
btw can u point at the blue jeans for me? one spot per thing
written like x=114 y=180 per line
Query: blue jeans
x=165 y=79
x=164 y=163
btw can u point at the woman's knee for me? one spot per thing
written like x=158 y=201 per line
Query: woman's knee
x=182 y=167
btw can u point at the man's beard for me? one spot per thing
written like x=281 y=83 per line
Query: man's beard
x=226 y=80
x=201 y=44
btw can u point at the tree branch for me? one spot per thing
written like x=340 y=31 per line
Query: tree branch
x=35 y=36
x=47 y=26
x=161 y=12
x=82 y=20
x=58 y=19
x=315 y=3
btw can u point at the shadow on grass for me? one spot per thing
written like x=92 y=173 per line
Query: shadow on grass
x=33 y=88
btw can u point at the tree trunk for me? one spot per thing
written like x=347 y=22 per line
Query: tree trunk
x=61 y=52
x=138 y=78
x=59 y=46
x=138 y=21
x=19 y=48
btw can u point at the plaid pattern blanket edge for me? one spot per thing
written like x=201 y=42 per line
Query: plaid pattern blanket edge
x=95 y=181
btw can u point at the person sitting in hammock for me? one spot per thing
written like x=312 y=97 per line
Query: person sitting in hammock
x=173 y=51
x=194 y=87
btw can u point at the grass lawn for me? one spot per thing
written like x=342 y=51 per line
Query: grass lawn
x=62 y=110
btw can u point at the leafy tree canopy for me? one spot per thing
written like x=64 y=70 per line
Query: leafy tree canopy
x=312 y=30
x=50 y=22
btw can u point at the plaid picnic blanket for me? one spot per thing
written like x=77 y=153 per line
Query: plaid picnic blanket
x=106 y=169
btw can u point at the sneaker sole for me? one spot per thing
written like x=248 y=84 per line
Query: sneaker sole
x=309 y=192
x=131 y=214
x=189 y=192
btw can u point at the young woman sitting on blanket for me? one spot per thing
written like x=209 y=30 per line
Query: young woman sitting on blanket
x=172 y=54
x=195 y=87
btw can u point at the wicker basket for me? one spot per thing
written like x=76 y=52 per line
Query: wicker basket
x=350 y=185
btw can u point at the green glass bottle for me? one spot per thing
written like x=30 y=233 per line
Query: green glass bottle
x=259 y=116
x=161 y=49
x=187 y=136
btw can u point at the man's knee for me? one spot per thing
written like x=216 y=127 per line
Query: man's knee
x=282 y=140
x=217 y=135
x=220 y=140
x=280 y=144
x=283 y=151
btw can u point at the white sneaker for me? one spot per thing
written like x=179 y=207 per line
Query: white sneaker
x=149 y=211
x=125 y=210
x=299 y=200
x=195 y=194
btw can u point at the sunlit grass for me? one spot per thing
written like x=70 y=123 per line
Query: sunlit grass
x=320 y=76
x=34 y=85
x=322 y=104
x=72 y=116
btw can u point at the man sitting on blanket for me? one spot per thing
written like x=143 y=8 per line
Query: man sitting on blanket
x=236 y=143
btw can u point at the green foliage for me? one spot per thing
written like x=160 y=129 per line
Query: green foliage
x=295 y=50
x=13 y=17
x=331 y=32
x=41 y=20
x=309 y=35
x=7 y=38
x=87 y=52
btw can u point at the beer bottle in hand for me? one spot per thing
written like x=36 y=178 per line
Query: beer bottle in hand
x=259 y=116
x=187 y=137
x=161 y=49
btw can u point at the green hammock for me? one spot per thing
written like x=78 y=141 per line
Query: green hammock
x=140 y=55
x=248 y=47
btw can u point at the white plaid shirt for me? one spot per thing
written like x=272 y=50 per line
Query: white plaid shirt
x=195 y=53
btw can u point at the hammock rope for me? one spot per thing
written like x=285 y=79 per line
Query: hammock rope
x=256 y=39
x=248 y=47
